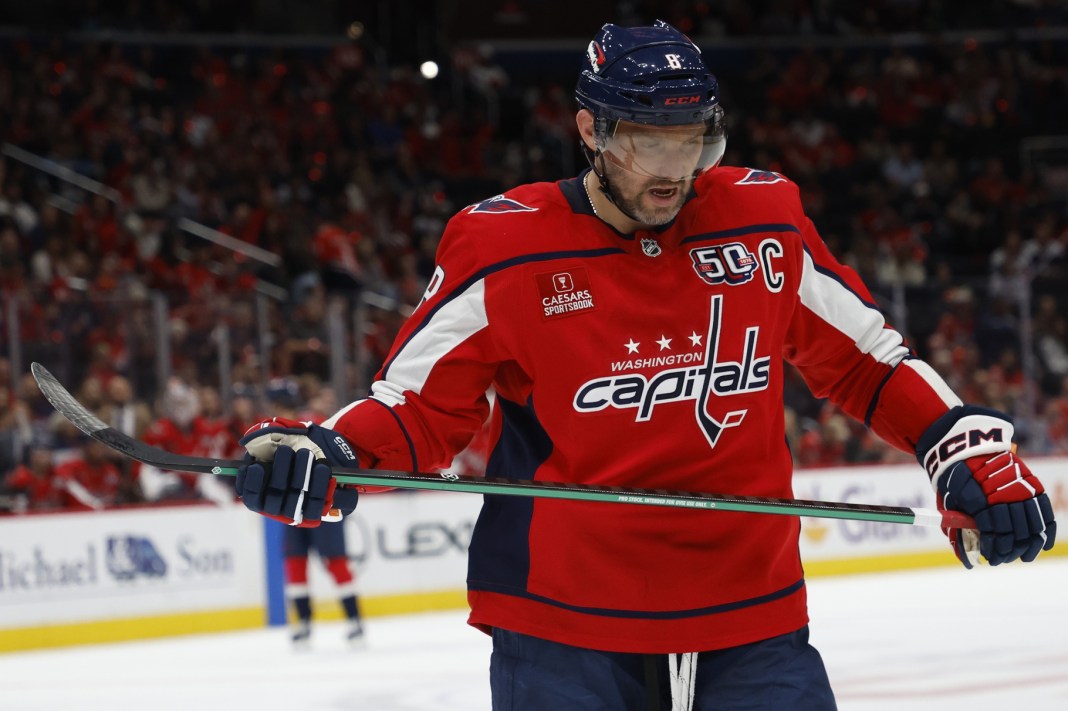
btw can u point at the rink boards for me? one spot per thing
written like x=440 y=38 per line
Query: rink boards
x=89 y=577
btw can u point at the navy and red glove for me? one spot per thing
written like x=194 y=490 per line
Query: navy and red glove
x=969 y=455
x=286 y=474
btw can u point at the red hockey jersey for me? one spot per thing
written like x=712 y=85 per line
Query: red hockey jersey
x=649 y=360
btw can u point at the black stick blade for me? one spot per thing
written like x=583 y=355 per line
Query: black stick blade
x=65 y=403
x=99 y=430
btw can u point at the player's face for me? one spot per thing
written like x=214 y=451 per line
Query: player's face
x=650 y=169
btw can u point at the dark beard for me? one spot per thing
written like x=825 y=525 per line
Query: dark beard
x=634 y=210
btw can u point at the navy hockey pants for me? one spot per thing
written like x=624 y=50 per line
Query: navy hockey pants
x=328 y=540
x=532 y=674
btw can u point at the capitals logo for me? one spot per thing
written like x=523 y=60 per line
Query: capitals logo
x=761 y=177
x=596 y=56
x=500 y=204
x=715 y=378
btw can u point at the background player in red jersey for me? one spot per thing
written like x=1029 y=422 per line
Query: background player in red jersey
x=633 y=323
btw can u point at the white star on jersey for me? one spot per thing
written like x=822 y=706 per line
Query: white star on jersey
x=694 y=338
x=665 y=343
x=632 y=347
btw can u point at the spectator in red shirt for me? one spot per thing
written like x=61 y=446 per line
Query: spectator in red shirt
x=32 y=485
x=90 y=480
x=182 y=430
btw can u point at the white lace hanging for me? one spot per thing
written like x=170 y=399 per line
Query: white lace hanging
x=683 y=669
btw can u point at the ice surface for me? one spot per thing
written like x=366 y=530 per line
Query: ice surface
x=923 y=640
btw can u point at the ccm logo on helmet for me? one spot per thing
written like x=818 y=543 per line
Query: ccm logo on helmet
x=679 y=100
x=959 y=443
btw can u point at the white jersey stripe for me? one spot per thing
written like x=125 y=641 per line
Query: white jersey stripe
x=839 y=307
x=453 y=323
x=387 y=393
x=934 y=381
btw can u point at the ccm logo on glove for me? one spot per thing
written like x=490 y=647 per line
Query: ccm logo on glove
x=344 y=448
x=969 y=436
x=969 y=455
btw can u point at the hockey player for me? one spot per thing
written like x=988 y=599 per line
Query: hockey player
x=328 y=541
x=633 y=322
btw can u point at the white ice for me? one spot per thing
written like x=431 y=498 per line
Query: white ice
x=924 y=640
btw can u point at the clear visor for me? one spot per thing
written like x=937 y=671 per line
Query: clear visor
x=672 y=153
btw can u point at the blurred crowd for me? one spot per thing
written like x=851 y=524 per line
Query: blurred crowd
x=528 y=18
x=908 y=156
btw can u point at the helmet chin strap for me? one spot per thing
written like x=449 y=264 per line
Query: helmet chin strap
x=596 y=161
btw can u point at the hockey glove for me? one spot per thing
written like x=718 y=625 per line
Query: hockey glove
x=969 y=456
x=286 y=474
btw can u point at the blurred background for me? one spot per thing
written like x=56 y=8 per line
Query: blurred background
x=214 y=210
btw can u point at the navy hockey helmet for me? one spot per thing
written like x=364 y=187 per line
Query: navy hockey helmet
x=652 y=76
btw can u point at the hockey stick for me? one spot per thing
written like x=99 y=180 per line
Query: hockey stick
x=93 y=426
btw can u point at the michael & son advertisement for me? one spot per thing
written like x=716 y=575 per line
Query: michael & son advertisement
x=84 y=566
